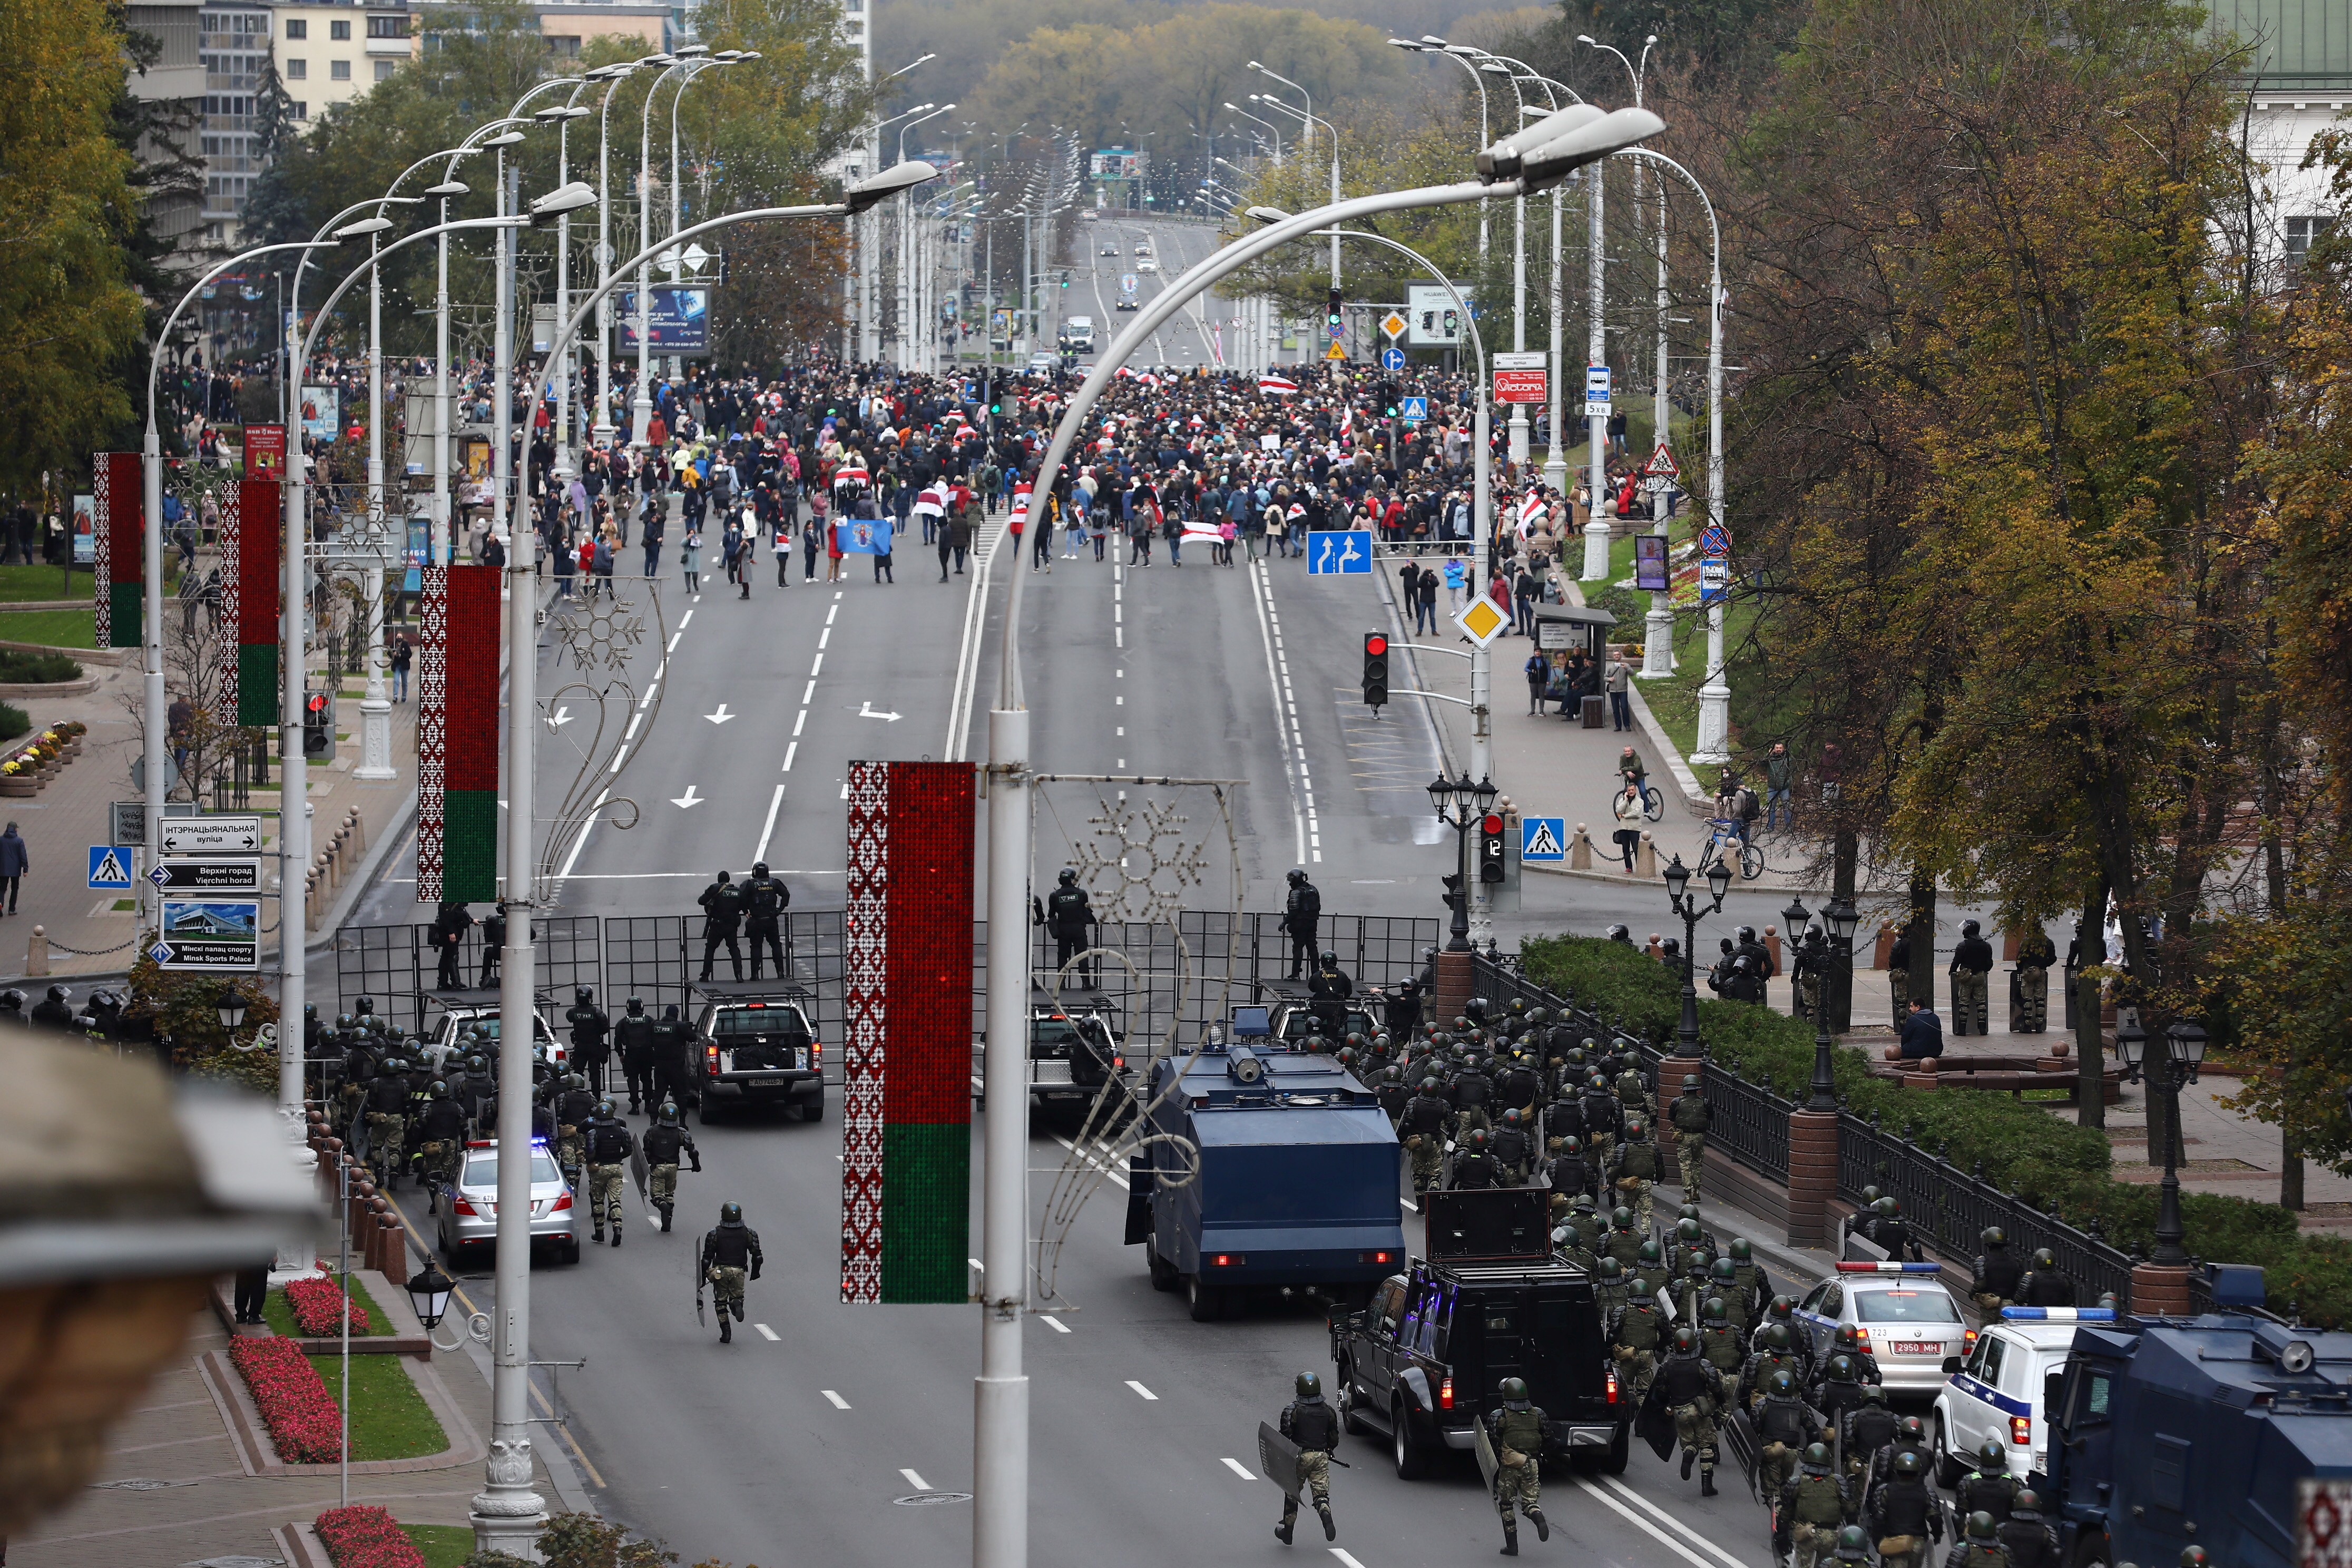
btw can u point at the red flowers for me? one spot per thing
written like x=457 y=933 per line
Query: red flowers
x=303 y=1420
x=315 y=1299
x=360 y=1537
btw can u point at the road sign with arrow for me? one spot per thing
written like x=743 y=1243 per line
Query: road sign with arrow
x=231 y=835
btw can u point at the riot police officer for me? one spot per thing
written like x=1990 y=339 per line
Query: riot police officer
x=1474 y=1167
x=1404 y=1010
x=1609 y=1288
x=1516 y=1430
x=1691 y=1116
x=1513 y=1150
x=2045 y=1286
x=1314 y=1425
x=494 y=944
x=1692 y=1389
x=1839 y=1390
x=1904 y=1516
x=1718 y=1340
x=387 y=1120
x=1772 y=1355
x=1846 y=1340
x=1301 y=912
x=590 y=1027
x=1979 y=1546
x=674 y=1065
x=1998 y=1274
x=448 y=932
x=1868 y=1427
x=1571 y=1172
x=2035 y=956
x=1603 y=1118
x=1989 y=1489
x=608 y=1144
x=54 y=1010
x=1634 y=1337
x=765 y=899
x=473 y=1089
x=575 y=1107
x=729 y=1256
x=722 y=919
x=1327 y=990
x=1971 y=962
x=634 y=1035
x=1783 y=1423
x=2030 y=1542
x=1422 y=1127
x=1635 y=1170
x=1068 y=914
x=662 y=1144
x=441 y=1138
x=1812 y=1507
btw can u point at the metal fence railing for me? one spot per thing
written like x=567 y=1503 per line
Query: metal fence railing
x=396 y=966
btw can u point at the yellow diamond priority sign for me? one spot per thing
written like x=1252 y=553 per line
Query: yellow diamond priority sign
x=1482 y=621
x=1394 y=323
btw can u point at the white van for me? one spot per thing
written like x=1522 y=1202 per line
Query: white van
x=1078 y=331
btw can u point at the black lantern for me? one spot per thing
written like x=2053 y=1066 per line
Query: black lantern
x=428 y=1292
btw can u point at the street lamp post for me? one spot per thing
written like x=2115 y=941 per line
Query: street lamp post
x=1824 y=946
x=1460 y=805
x=1685 y=904
x=2184 y=1050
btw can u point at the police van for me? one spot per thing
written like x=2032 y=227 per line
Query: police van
x=1995 y=1389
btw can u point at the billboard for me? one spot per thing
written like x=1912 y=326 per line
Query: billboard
x=1433 y=319
x=1116 y=163
x=679 y=318
x=319 y=410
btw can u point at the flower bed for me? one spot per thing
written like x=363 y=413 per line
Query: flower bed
x=358 y=1536
x=34 y=764
x=304 y=1424
x=315 y=1299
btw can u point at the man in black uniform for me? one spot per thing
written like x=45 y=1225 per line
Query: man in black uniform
x=576 y=1108
x=473 y=1089
x=722 y=918
x=765 y=898
x=1314 y=1425
x=609 y=1146
x=1783 y=1424
x=662 y=1143
x=1474 y=1167
x=2045 y=1286
x=1404 y=1010
x=1327 y=990
x=387 y=1120
x=1067 y=916
x=441 y=1140
x=1571 y=1172
x=634 y=1034
x=2036 y=955
x=674 y=1060
x=729 y=1256
x=1692 y=1389
x=1903 y=1516
x=448 y=932
x=1971 y=962
x=1868 y=1427
x=1301 y=912
x=1997 y=1275
x=494 y=944
x=2030 y=1542
x=1514 y=1150
x=590 y=1028
x=1423 y=1129
x=1989 y=1487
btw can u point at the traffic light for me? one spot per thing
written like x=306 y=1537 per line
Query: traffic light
x=995 y=395
x=1490 y=847
x=317 y=723
x=1376 y=669
x=1333 y=321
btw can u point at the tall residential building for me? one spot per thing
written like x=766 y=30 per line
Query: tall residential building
x=175 y=81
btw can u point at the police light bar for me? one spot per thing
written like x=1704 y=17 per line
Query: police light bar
x=1890 y=1268
x=2059 y=1314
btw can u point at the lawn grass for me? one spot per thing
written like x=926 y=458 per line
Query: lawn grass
x=280 y=1317
x=19 y=584
x=49 y=629
x=441 y=1545
x=389 y=1419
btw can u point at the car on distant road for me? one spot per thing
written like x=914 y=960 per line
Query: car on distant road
x=1145 y=264
x=469 y=1212
x=1110 y=247
x=1044 y=363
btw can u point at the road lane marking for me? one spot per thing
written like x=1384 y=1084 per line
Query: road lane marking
x=1054 y=1322
x=1672 y=1522
x=775 y=804
x=1345 y=1557
x=839 y=1402
x=817 y=666
x=1240 y=1469
x=685 y=620
x=1143 y=1391
x=799 y=723
x=916 y=1482
x=1693 y=1558
x=789 y=752
x=809 y=695
x=824 y=638
x=673 y=641
x=766 y=1333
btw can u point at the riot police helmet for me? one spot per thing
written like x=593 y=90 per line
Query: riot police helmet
x=1723 y=1269
x=1907 y=1465
x=1873 y=1394
x=1429 y=1086
x=1782 y=1385
x=1840 y=1369
x=1686 y=1342
x=636 y=1004
x=1297 y=877
x=1572 y=1144
x=476 y=1064
x=1583 y=1203
x=1846 y=1338
x=1740 y=1251
x=1747 y=934
x=1911 y=1429
x=2044 y=1258
x=582 y=994
x=1636 y=1128
x=1969 y=928
x=1512 y=1117
x=344 y=1022
x=1853 y=1541
x=1775 y=1337
x=1309 y=1386
x=759 y=867
x=1477 y=1138
x=1069 y=876
x=1980 y=1527
x=1816 y=1454
x=1514 y=1393
x=730 y=1213
x=1620 y=1218
x=1782 y=1308
x=1639 y=1290
x=605 y=1109
x=667 y=1116
x=1714 y=1311
x=1690 y=1084
x=2026 y=1502
x=1869 y=1196
x=1330 y=961
x=1991 y=1456
x=438 y=1089
x=2194 y=1557
x=1649 y=1252
x=1994 y=1238
x=1686 y=1231
x=1610 y=1268
x=1619 y=933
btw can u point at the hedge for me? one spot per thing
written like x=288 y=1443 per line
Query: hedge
x=2051 y=1164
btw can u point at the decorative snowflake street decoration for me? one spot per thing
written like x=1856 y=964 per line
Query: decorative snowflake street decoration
x=600 y=631
x=1138 y=865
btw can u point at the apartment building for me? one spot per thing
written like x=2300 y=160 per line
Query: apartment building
x=2297 y=75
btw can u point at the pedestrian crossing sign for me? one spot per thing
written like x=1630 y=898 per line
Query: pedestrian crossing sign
x=110 y=868
x=1482 y=621
x=1543 y=838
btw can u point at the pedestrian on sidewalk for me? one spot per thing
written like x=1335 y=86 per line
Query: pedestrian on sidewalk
x=1628 y=810
x=1425 y=607
x=1621 y=705
x=1780 y=804
x=15 y=862
x=1457 y=579
x=1538 y=671
x=404 y=657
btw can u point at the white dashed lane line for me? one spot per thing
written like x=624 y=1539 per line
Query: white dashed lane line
x=916 y=1482
x=1054 y=1322
x=1240 y=1469
x=1142 y=1391
x=766 y=1333
x=835 y=1400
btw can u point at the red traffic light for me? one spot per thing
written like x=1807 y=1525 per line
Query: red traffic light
x=1492 y=824
x=317 y=702
x=1376 y=644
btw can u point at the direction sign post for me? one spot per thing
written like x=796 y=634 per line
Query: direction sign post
x=1596 y=392
x=1394 y=324
x=219 y=936
x=1338 y=552
x=218 y=874
x=226 y=835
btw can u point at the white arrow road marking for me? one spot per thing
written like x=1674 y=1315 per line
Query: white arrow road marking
x=916 y=1482
x=1240 y=1469
x=837 y=1401
x=722 y=716
x=560 y=718
x=867 y=711
x=688 y=799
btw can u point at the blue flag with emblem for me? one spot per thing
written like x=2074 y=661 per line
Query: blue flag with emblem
x=863 y=535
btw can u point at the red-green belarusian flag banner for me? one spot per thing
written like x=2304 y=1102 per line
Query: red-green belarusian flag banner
x=457 y=737
x=252 y=542
x=118 y=538
x=907 y=1064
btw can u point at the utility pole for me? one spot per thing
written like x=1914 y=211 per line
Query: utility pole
x=1596 y=348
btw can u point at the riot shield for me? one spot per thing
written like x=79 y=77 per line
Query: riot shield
x=1488 y=1465
x=1739 y=1438
x=638 y=1169
x=1277 y=1456
x=1655 y=1423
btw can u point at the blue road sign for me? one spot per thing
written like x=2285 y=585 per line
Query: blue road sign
x=1392 y=358
x=1338 y=552
x=1414 y=410
x=1543 y=838
x=110 y=868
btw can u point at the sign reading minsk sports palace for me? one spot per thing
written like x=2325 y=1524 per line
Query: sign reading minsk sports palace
x=1521 y=377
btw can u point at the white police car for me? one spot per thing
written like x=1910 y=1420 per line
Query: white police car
x=1996 y=1389
x=1902 y=1314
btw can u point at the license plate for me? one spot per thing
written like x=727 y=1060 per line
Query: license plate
x=1913 y=1347
x=767 y=1083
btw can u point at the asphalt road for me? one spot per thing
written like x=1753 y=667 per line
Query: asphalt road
x=797 y=1442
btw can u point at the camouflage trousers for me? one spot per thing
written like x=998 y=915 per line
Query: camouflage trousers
x=1810 y=1543
x=1314 y=1479
x=1598 y=1147
x=2033 y=1000
x=1426 y=1149
x=1902 y=1550
x=571 y=1148
x=661 y=1185
x=1694 y=1426
x=1636 y=1368
x=385 y=1131
x=727 y=1290
x=1775 y=1463
x=1690 y=1152
x=1898 y=988
x=439 y=1161
x=604 y=1186
x=1990 y=1304
x=1518 y=1486
x=1969 y=1001
x=1634 y=1193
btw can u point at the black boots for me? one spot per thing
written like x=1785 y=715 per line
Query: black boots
x=1543 y=1529
x=1690 y=1457
x=725 y=1328
x=1706 y=1482
x=1330 y=1531
x=1510 y=1541
x=1282 y=1533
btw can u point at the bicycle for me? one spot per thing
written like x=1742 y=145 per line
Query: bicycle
x=1722 y=833
x=1654 y=805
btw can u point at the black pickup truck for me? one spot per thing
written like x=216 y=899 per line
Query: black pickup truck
x=1488 y=1301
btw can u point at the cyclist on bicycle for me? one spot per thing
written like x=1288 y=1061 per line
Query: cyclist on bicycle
x=1630 y=768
